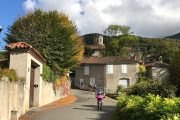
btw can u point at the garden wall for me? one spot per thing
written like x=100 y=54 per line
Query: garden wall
x=12 y=97
x=49 y=93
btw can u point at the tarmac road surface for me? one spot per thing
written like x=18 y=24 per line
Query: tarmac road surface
x=84 y=108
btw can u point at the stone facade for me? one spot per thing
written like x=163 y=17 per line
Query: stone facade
x=108 y=82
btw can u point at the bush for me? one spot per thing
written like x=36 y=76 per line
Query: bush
x=1 y=73
x=11 y=73
x=151 y=107
x=120 y=88
x=153 y=87
x=48 y=74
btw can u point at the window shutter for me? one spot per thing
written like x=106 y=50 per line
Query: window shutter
x=86 y=70
x=124 y=68
x=109 y=69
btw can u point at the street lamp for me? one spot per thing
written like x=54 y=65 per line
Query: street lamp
x=1 y=29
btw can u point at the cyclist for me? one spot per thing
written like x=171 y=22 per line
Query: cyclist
x=100 y=96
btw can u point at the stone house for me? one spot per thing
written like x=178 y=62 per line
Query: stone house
x=105 y=72
x=157 y=71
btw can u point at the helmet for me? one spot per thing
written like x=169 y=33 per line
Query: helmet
x=100 y=92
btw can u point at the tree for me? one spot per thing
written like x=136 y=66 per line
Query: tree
x=122 y=45
x=52 y=34
x=175 y=69
x=116 y=30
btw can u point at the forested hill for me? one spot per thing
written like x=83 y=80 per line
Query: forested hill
x=88 y=38
x=175 y=36
x=153 y=47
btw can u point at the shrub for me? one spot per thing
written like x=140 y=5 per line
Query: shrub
x=153 y=87
x=11 y=73
x=60 y=81
x=151 y=107
x=120 y=88
x=1 y=73
x=48 y=74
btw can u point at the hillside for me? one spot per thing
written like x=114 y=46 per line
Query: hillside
x=88 y=38
x=151 y=48
x=175 y=36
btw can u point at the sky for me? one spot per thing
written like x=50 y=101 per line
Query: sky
x=147 y=18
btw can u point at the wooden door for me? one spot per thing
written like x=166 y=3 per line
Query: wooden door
x=31 y=94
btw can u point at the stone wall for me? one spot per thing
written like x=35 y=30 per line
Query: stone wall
x=12 y=97
x=49 y=93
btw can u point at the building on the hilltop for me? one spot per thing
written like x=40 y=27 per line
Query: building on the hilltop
x=96 y=45
x=105 y=72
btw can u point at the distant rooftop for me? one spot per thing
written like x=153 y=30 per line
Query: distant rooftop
x=108 y=60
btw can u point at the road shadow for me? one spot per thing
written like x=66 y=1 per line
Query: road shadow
x=105 y=114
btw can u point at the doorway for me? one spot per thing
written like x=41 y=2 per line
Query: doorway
x=34 y=81
x=31 y=94
x=124 y=82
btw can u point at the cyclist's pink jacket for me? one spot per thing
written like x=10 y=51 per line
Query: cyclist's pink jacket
x=100 y=97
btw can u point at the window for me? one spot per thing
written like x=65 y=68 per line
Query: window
x=86 y=70
x=109 y=69
x=124 y=83
x=124 y=68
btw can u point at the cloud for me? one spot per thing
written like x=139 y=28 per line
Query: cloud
x=29 y=5
x=151 y=18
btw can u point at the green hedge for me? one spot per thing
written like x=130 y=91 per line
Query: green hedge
x=48 y=74
x=153 y=87
x=150 y=107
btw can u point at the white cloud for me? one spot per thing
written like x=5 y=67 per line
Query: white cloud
x=29 y=5
x=152 y=18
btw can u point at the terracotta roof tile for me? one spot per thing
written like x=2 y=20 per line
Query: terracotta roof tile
x=18 y=45
x=107 y=60
x=25 y=46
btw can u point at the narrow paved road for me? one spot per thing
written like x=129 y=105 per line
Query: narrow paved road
x=83 y=109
